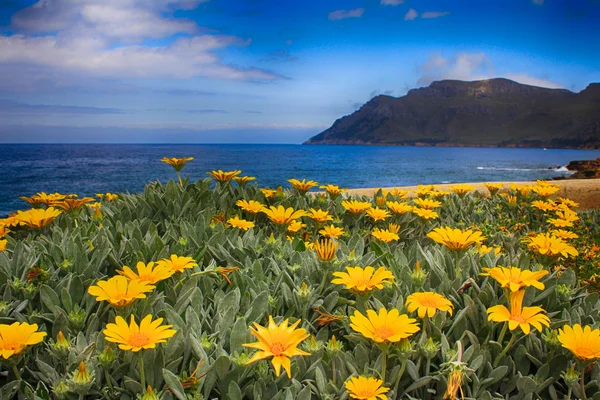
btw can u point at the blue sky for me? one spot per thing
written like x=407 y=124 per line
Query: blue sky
x=261 y=70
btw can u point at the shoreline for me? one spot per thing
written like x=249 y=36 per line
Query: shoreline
x=586 y=192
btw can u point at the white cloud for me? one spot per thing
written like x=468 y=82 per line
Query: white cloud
x=434 y=14
x=105 y=38
x=391 y=2
x=411 y=14
x=472 y=67
x=343 y=14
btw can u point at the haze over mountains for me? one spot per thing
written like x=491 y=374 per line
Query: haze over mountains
x=493 y=112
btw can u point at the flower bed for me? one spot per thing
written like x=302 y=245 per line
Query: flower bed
x=219 y=289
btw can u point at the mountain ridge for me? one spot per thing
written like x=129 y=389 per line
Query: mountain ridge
x=487 y=113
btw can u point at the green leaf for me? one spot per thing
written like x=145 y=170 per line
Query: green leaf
x=49 y=298
x=234 y=392
x=526 y=385
x=174 y=384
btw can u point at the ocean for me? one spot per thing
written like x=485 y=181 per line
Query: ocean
x=88 y=169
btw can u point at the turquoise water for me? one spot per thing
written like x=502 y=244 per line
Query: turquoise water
x=90 y=169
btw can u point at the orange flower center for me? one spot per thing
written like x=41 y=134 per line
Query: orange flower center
x=11 y=346
x=138 y=339
x=428 y=303
x=277 y=349
x=384 y=332
x=585 y=352
x=519 y=319
x=363 y=282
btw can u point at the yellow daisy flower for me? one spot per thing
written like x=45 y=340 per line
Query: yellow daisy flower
x=120 y=291
x=14 y=338
x=176 y=163
x=149 y=273
x=355 y=206
x=364 y=280
x=583 y=342
x=251 y=206
x=37 y=217
x=303 y=186
x=399 y=207
x=427 y=303
x=278 y=341
x=224 y=176
x=331 y=231
x=519 y=316
x=319 y=215
x=425 y=213
x=427 y=204
x=236 y=222
x=455 y=239
x=363 y=388
x=548 y=245
x=177 y=263
x=378 y=214
x=515 y=278
x=384 y=326
x=283 y=216
x=135 y=338
x=385 y=235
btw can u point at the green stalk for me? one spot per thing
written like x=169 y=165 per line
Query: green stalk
x=402 y=368
x=179 y=178
x=383 y=365
x=508 y=346
x=107 y=377
x=425 y=324
x=582 y=383
x=16 y=371
x=142 y=371
x=502 y=333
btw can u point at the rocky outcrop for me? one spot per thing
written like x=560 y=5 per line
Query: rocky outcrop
x=586 y=169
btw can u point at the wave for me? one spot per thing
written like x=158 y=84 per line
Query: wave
x=555 y=169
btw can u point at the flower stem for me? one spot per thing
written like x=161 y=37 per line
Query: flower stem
x=402 y=369
x=16 y=371
x=142 y=371
x=508 y=346
x=179 y=178
x=502 y=333
x=383 y=365
x=582 y=383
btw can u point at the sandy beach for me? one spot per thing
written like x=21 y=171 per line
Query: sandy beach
x=584 y=191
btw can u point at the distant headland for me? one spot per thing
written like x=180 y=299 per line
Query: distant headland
x=488 y=113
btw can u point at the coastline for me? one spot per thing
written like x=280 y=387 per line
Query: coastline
x=586 y=192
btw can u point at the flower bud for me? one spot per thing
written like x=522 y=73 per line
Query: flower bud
x=551 y=339
x=564 y=292
x=107 y=357
x=61 y=346
x=405 y=348
x=430 y=349
x=60 y=390
x=418 y=276
x=82 y=380
x=149 y=394
x=313 y=345
x=207 y=343
x=77 y=319
x=570 y=376
x=304 y=292
x=240 y=359
x=333 y=346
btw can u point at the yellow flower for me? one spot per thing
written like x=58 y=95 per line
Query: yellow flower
x=331 y=231
x=424 y=213
x=243 y=180
x=384 y=235
x=565 y=235
x=454 y=385
x=519 y=316
x=3 y=244
x=455 y=239
x=303 y=186
x=120 y=291
x=37 y=217
x=224 y=176
x=268 y=193
x=147 y=272
x=483 y=250
x=544 y=205
x=560 y=223
x=548 y=245
x=319 y=215
x=355 y=206
x=251 y=206
x=567 y=215
x=462 y=188
x=511 y=200
x=395 y=228
x=14 y=338
x=427 y=303
x=283 y=216
x=236 y=222
x=493 y=187
x=424 y=190
x=333 y=190
x=377 y=214
x=295 y=226
x=545 y=190
x=277 y=341
x=325 y=249
x=364 y=280
x=515 y=278
x=522 y=189
x=363 y=388
x=384 y=326
x=438 y=193
x=427 y=204
x=176 y=163
x=568 y=202
x=135 y=338
x=3 y=230
x=399 y=193
x=107 y=196
x=177 y=263
x=70 y=204
x=45 y=198
x=583 y=342
x=399 y=207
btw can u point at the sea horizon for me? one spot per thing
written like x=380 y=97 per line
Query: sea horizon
x=87 y=169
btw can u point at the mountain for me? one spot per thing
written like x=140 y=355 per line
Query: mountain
x=492 y=112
